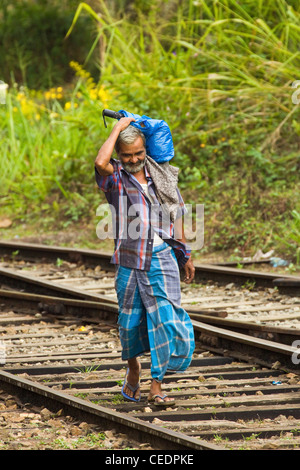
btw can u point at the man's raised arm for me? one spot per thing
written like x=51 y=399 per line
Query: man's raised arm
x=102 y=162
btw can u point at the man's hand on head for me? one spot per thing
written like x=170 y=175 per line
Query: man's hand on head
x=123 y=123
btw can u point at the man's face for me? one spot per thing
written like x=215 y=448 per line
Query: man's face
x=132 y=156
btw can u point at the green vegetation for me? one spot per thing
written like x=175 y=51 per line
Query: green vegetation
x=89 y=441
x=220 y=72
x=33 y=46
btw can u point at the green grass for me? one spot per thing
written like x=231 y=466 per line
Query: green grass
x=220 y=73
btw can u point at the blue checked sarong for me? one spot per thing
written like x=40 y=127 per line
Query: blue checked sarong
x=150 y=315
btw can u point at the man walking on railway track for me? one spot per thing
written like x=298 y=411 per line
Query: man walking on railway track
x=148 y=257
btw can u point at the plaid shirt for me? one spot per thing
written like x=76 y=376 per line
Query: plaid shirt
x=131 y=205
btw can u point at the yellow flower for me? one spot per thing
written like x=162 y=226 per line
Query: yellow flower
x=20 y=96
x=37 y=116
x=103 y=95
x=59 y=89
x=202 y=145
x=79 y=70
x=67 y=105
x=93 y=94
x=27 y=107
x=47 y=95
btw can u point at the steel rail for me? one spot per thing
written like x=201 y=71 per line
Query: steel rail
x=272 y=346
x=40 y=286
x=285 y=335
x=133 y=427
x=236 y=344
x=32 y=251
x=77 y=307
x=62 y=305
x=109 y=311
x=50 y=288
x=203 y=272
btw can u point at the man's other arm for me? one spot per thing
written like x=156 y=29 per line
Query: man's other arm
x=189 y=268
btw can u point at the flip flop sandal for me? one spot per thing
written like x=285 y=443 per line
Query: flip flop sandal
x=132 y=388
x=162 y=403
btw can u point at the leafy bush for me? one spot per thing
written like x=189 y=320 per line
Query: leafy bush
x=33 y=48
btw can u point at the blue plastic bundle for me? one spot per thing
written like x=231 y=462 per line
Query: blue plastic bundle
x=159 y=142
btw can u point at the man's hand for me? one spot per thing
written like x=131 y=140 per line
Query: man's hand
x=189 y=270
x=123 y=123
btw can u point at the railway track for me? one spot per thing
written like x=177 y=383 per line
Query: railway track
x=94 y=258
x=62 y=350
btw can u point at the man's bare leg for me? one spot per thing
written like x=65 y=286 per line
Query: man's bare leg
x=133 y=377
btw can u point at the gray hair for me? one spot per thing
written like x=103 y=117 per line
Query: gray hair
x=129 y=136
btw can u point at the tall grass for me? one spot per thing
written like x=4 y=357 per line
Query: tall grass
x=220 y=73
x=211 y=69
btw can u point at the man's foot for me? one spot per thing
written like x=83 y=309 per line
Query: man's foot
x=131 y=386
x=157 y=397
x=161 y=400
